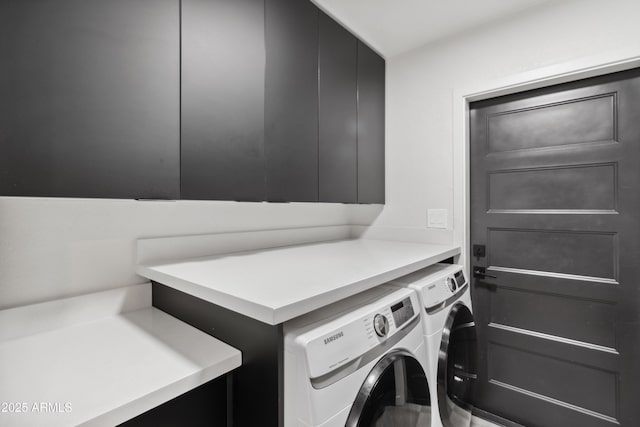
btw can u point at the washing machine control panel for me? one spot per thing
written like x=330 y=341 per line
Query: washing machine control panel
x=355 y=332
x=402 y=311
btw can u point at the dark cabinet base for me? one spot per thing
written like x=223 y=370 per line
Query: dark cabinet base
x=204 y=406
x=258 y=385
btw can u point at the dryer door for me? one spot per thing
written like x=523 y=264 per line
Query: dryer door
x=457 y=371
x=395 y=393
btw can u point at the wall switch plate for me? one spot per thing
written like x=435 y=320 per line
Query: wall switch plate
x=437 y=218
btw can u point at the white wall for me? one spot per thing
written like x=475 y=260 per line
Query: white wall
x=421 y=86
x=52 y=248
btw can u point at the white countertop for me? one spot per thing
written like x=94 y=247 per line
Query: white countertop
x=278 y=284
x=108 y=370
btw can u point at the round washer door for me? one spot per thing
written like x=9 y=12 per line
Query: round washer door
x=395 y=393
x=457 y=367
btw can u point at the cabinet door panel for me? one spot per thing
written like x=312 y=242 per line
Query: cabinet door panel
x=371 y=91
x=291 y=101
x=223 y=62
x=89 y=98
x=338 y=121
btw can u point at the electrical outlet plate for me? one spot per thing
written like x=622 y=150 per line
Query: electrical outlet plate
x=437 y=218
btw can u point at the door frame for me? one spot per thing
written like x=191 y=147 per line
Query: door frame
x=608 y=62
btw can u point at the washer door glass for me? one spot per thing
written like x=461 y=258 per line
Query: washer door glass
x=396 y=393
x=457 y=371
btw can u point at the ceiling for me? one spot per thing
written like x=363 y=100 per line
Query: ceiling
x=395 y=26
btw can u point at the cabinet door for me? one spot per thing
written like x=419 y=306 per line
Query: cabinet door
x=371 y=87
x=291 y=101
x=223 y=62
x=338 y=111
x=89 y=98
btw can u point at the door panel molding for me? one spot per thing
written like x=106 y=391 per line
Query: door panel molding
x=556 y=315
x=560 y=403
x=552 y=275
x=506 y=364
x=598 y=359
x=556 y=338
x=596 y=251
x=569 y=134
x=594 y=185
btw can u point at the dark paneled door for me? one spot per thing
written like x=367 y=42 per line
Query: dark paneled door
x=337 y=76
x=555 y=197
x=89 y=98
x=223 y=60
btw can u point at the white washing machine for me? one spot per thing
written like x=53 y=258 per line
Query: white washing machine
x=358 y=362
x=450 y=336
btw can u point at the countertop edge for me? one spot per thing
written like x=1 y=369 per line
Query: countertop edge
x=221 y=361
x=275 y=316
x=286 y=313
x=259 y=312
x=160 y=396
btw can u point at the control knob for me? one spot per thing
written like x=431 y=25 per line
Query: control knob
x=380 y=325
x=451 y=282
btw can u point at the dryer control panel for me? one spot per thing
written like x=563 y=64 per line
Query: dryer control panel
x=436 y=284
x=441 y=291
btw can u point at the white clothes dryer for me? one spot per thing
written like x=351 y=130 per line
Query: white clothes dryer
x=450 y=337
x=358 y=362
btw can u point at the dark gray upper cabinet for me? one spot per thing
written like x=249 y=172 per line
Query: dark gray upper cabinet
x=223 y=61
x=371 y=90
x=89 y=98
x=337 y=113
x=246 y=100
x=291 y=101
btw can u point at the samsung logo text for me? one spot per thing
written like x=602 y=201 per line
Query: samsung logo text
x=333 y=337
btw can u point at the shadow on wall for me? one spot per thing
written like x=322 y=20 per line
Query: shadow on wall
x=53 y=248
